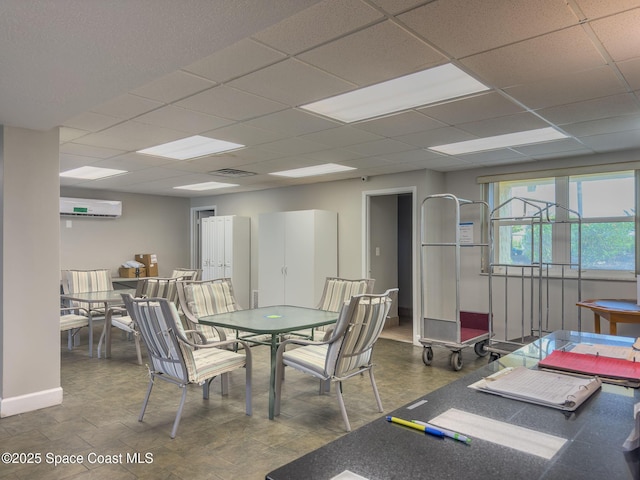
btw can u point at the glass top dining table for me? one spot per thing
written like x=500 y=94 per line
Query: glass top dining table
x=274 y=321
x=104 y=298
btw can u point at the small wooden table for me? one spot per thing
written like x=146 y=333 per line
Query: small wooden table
x=615 y=311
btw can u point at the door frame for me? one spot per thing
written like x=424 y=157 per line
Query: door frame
x=366 y=244
x=193 y=229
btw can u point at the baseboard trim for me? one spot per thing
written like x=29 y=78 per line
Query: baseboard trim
x=32 y=401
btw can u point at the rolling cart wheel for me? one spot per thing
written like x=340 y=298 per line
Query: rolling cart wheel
x=481 y=348
x=493 y=357
x=456 y=361
x=427 y=355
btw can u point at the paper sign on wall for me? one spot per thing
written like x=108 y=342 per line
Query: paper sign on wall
x=466 y=233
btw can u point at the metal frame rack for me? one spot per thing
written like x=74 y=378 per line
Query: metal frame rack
x=533 y=277
x=454 y=329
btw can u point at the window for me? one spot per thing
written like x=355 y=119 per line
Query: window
x=605 y=203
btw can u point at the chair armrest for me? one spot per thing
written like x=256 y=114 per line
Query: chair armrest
x=198 y=334
x=75 y=309
x=213 y=344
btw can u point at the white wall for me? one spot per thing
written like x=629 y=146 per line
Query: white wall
x=149 y=224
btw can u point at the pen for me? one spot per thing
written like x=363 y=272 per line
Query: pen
x=446 y=433
x=426 y=429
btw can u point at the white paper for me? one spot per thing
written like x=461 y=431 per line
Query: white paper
x=466 y=233
x=348 y=475
x=633 y=441
x=505 y=434
x=611 y=351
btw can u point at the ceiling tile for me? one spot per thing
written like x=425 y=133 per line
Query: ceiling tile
x=69 y=162
x=470 y=109
x=465 y=27
x=613 y=141
x=238 y=59
x=501 y=125
x=89 y=151
x=245 y=134
x=92 y=122
x=397 y=6
x=341 y=136
x=293 y=146
x=612 y=106
x=417 y=155
x=183 y=120
x=437 y=136
x=604 y=125
x=293 y=122
x=559 y=147
x=557 y=53
x=126 y=106
x=620 y=34
x=318 y=24
x=173 y=87
x=381 y=52
x=335 y=155
x=399 y=124
x=230 y=103
x=67 y=134
x=292 y=82
x=381 y=147
x=499 y=155
x=631 y=71
x=575 y=87
x=131 y=136
x=440 y=164
x=598 y=8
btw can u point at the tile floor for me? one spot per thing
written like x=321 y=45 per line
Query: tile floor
x=216 y=440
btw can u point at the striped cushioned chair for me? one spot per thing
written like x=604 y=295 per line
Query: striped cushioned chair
x=152 y=287
x=346 y=353
x=71 y=321
x=81 y=281
x=175 y=359
x=336 y=292
x=207 y=297
x=187 y=273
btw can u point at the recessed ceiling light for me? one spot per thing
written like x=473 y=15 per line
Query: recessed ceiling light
x=206 y=186
x=417 y=89
x=312 y=171
x=91 y=173
x=190 y=147
x=527 y=137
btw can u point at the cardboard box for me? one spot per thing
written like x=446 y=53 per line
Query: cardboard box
x=150 y=261
x=132 y=272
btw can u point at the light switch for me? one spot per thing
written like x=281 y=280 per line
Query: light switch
x=377 y=251
x=68 y=224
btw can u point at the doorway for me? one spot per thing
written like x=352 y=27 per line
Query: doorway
x=389 y=233
x=197 y=214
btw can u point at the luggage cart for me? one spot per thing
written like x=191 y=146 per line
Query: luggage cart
x=443 y=238
x=523 y=274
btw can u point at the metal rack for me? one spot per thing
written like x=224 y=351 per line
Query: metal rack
x=443 y=322
x=528 y=280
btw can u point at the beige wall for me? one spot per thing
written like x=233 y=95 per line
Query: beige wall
x=30 y=265
x=149 y=224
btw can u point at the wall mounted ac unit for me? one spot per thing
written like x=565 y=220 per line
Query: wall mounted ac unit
x=85 y=207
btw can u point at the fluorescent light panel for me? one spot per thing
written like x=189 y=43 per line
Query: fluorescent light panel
x=313 y=171
x=191 y=147
x=417 y=89
x=91 y=173
x=198 y=187
x=527 y=137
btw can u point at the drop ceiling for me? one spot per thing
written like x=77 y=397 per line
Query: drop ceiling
x=122 y=76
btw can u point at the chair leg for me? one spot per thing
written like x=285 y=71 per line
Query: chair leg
x=247 y=390
x=343 y=410
x=206 y=387
x=375 y=390
x=224 y=383
x=179 y=414
x=100 y=342
x=136 y=337
x=278 y=392
x=146 y=399
x=70 y=339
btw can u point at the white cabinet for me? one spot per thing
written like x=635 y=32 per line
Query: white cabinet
x=297 y=251
x=226 y=252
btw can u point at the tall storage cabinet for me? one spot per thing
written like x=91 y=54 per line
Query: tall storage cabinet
x=226 y=253
x=297 y=251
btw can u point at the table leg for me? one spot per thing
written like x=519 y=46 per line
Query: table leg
x=272 y=378
x=613 y=327
x=596 y=322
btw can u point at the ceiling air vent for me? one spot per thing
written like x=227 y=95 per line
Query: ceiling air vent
x=231 y=172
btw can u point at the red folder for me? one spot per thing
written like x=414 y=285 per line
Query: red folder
x=611 y=370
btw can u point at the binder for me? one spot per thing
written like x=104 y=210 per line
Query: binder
x=550 y=389
x=611 y=370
